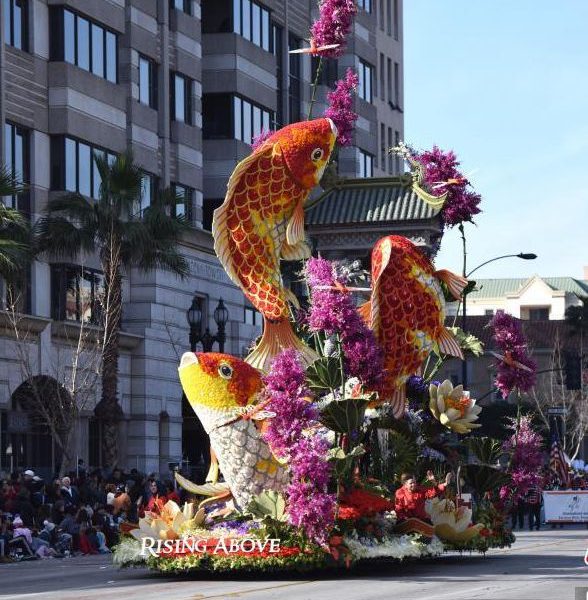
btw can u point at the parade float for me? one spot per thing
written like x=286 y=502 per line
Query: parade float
x=337 y=404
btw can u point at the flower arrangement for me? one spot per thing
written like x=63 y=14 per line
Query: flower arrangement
x=453 y=407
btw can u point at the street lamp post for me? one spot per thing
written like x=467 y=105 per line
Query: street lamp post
x=194 y=318
x=521 y=255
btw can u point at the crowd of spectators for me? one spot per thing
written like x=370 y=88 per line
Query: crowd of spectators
x=78 y=513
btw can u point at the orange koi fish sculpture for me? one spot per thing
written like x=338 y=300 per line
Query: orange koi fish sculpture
x=262 y=221
x=406 y=311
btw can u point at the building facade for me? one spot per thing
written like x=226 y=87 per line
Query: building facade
x=185 y=84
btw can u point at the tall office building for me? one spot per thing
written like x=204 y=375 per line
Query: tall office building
x=185 y=84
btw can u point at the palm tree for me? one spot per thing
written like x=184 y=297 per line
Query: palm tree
x=114 y=228
x=15 y=248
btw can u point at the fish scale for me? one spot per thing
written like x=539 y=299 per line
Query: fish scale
x=407 y=312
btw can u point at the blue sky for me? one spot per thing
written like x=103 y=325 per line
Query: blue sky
x=505 y=85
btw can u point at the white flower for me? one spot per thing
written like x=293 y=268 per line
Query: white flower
x=453 y=407
x=451 y=523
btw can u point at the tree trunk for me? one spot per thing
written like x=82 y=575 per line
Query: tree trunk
x=108 y=409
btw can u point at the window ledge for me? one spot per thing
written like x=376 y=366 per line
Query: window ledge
x=27 y=324
x=70 y=331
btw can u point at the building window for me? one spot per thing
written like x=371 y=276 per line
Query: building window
x=396 y=85
x=382 y=146
x=328 y=73
x=390 y=157
x=148 y=190
x=76 y=293
x=365 y=4
x=16 y=148
x=396 y=20
x=389 y=17
x=366 y=164
x=183 y=205
x=181 y=101
x=73 y=167
x=184 y=6
x=278 y=50
x=366 y=75
x=489 y=312
x=147 y=81
x=389 y=73
x=382 y=78
x=382 y=15
x=539 y=314
x=251 y=316
x=252 y=21
x=294 y=94
x=247 y=119
x=209 y=205
x=84 y=43
x=16 y=24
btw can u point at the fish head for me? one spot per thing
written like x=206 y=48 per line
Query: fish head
x=306 y=148
x=218 y=381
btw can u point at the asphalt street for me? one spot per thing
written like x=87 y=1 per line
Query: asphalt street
x=543 y=565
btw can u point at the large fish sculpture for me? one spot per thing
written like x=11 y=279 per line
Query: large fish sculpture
x=262 y=221
x=222 y=390
x=406 y=311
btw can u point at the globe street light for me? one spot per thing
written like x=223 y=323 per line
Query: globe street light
x=521 y=255
x=194 y=317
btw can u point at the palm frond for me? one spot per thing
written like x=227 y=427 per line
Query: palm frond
x=59 y=237
x=9 y=184
x=74 y=206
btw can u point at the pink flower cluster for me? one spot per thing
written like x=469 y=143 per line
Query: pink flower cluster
x=310 y=506
x=259 y=139
x=333 y=25
x=442 y=167
x=517 y=369
x=526 y=461
x=340 y=109
x=332 y=310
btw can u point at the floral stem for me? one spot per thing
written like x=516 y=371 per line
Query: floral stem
x=315 y=86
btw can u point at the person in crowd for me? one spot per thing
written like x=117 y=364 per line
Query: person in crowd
x=153 y=494
x=68 y=493
x=519 y=508
x=171 y=492
x=22 y=538
x=122 y=501
x=533 y=500
x=24 y=507
x=410 y=499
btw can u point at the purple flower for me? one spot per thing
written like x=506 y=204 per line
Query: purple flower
x=259 y=139
x=442 y=167
x=333 y=311
x=333 y=25
x=516 y=370
x=524 y=445
x=340 y=109
x=309 y=505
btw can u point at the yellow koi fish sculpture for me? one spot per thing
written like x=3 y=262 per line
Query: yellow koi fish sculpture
x=262 y=221
x=222 y=390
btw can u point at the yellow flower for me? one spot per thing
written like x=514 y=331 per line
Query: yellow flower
x=170 y=523
x=454 y=407
x=451 y=523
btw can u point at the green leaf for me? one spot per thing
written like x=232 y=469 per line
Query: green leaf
x=343 y=463
x=343 y=416
x=486 y=449
x=324 y=374
x=483 y=478
x=268 y=504
x=467 y=341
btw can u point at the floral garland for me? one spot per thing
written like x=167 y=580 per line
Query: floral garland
x=310 y=506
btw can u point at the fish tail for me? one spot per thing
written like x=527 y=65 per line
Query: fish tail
x=398 y=401
x=456 y=284
x=448 y=344
x=365 y=312
x=278 y=336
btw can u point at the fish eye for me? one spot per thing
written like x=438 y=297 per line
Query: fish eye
x=316 y=154
x=225 y=371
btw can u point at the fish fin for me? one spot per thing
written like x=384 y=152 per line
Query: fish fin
x=207 y=489
x=380 y=259
x=448 y=344
x=220 y=229
x=398 y=401
x=295 y=228
x=214 y=499
x=291 y=297
x=277 y=336
x=365 y=311
x=298 y=251
x=456 y=284
x=212 y=475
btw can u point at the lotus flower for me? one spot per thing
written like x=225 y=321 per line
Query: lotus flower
x=170 y=523
x=451 y=523
x=453 y=407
